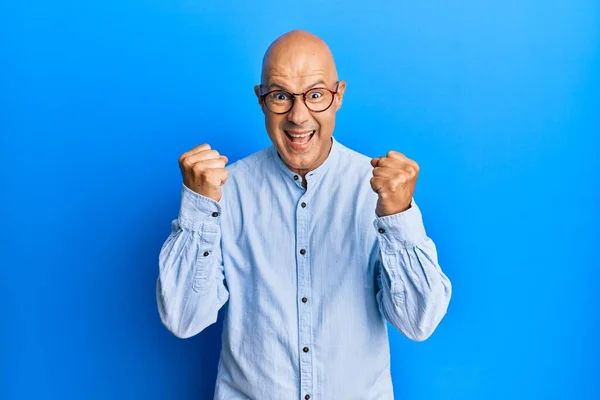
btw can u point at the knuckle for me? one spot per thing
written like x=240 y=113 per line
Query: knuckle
x=209 y=155
x=402 y=178
x=186 y=163
x=198 y=168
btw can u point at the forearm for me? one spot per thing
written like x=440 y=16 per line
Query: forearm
x=414 y=292
x=190 y=287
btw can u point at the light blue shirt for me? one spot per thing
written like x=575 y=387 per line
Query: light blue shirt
x=308 y=278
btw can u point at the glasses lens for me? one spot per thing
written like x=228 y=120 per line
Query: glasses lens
x=318 y=99
x=279 y=101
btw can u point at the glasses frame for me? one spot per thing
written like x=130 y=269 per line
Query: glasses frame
x=295 y=95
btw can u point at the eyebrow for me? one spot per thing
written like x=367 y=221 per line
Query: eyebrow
x=320 y=82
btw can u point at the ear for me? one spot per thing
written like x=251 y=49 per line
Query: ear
x=340 y=95
x=257 y=92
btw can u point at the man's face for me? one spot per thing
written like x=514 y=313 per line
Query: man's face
x=297 y=71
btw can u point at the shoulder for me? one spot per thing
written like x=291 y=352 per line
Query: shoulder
x=251 y=163
x=353 y=160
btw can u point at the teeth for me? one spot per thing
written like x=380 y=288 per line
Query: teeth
x=300 y=136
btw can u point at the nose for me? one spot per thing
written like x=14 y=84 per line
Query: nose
x=299 y=114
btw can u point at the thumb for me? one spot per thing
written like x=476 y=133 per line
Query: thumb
x=375 y=161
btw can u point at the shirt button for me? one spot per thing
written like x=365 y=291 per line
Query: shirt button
x=303 y=204
x=305 y=349
x=304 y=299
x=381 y=230
x=303 y=252
x=206 y=253
x=295 y=177
x=307 y=396
x=215 y=214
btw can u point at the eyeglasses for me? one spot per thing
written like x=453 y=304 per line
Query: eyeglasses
x=316 y=99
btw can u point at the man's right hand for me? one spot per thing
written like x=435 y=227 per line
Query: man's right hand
x=203 y=171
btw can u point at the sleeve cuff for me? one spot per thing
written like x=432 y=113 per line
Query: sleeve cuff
x=402 y=229
x=198 y=212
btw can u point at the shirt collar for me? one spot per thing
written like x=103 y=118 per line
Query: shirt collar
x=313 y=176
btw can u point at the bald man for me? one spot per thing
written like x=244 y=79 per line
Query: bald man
x=312 y=246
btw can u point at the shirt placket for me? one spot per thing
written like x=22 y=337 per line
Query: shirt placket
x=304 y=300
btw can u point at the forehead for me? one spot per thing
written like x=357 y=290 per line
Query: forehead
x=297 y=68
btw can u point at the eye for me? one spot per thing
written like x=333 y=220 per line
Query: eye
x=315 y=94
x=279 y=96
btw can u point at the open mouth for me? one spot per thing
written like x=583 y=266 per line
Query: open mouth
x=299 y=140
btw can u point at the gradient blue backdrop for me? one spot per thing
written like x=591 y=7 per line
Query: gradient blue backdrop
x=499 y=101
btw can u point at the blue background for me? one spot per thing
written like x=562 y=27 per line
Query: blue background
x=498 y=101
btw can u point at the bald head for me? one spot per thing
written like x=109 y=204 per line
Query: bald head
x=300 y=127
x=298 y=53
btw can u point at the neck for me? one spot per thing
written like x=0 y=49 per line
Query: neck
x=303 y=171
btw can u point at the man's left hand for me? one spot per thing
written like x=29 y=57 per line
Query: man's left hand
x=394 y=179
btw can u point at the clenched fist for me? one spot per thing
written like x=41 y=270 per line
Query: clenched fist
x=394 y=179
x=203 y=171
